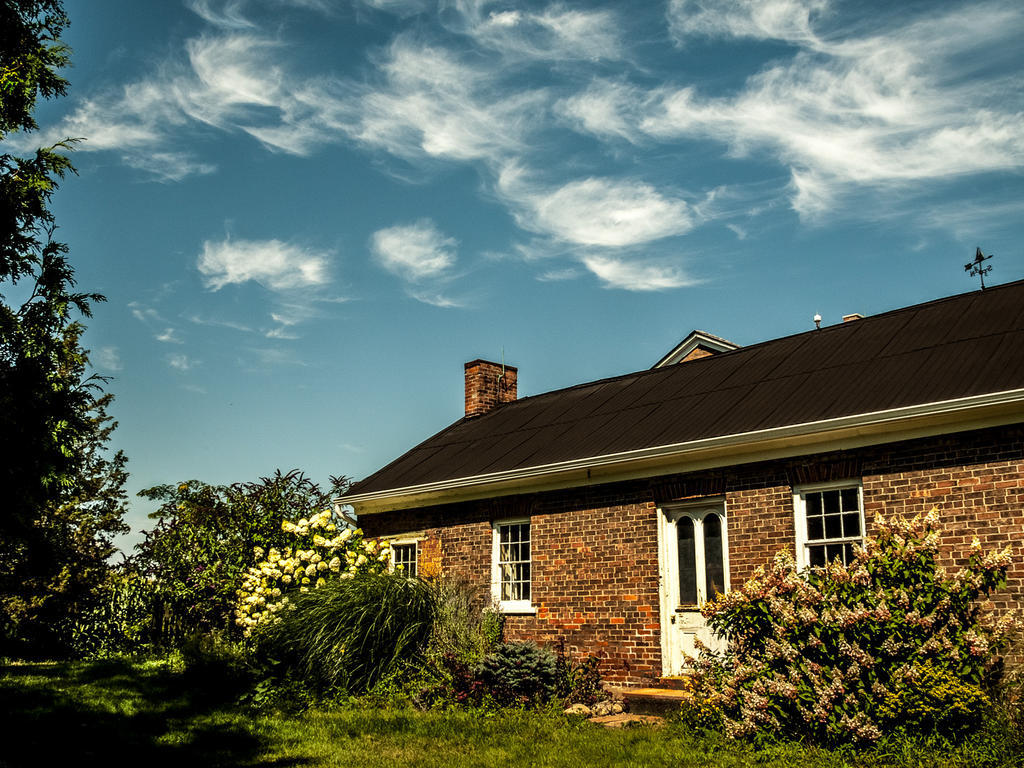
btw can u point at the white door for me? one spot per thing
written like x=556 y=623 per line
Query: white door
x=694 y=568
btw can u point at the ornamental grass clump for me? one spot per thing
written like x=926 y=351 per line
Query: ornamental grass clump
x=845 y=653
x=350 y=633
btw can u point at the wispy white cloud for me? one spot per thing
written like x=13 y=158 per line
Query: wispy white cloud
x=398 y=7
x=273 y=264
x=421 y=101
x=169 y=336
x=145 y=314
x=261 y=358
x=285 y=322
x=162 y=329
x=595 y=211
x=430 y=104
x=888 y=110
x=636 y=276
x=556 y=33
x=740 y=232
x=421 y=255
x=168 y=166
x=216 y=322
x=107 y=358
x=181 y=362
x=434 y=298
x=607 y=109
x=232 y=80
x=414 y=251
x=229 y=15
x=785 y=20
x=558 y=275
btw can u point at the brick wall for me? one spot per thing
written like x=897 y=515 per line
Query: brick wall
x=595 y=561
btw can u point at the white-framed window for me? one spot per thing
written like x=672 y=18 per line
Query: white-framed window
x=829 y=520
x=511 y=566
x=404 y=556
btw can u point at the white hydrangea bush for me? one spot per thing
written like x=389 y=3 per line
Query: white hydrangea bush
x=321 y=552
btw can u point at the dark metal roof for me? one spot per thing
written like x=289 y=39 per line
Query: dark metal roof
x=955 y=347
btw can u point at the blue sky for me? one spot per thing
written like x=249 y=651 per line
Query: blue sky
x=307 y=214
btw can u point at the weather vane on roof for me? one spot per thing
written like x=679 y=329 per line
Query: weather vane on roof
x=975 y=267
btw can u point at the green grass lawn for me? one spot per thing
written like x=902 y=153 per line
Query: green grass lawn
x=151 y=714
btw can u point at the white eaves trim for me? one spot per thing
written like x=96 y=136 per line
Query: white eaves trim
x=845 y=432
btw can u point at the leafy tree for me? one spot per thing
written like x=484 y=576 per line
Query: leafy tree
x=204 y=539
x=63 y=499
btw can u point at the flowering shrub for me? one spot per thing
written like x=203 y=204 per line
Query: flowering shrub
x=842 y=653
x=320 y=552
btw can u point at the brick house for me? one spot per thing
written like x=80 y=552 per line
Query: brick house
x=604 y=514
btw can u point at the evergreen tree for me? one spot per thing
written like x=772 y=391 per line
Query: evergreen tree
x=63 y=500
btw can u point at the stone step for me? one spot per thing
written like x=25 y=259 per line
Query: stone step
x=676 y=682
x=626 y=719
x=652 y=701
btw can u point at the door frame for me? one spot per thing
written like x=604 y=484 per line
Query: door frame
x=668 y=566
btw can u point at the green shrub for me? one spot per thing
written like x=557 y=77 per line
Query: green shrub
x=350 y=633
x=841 y=654
x=519 y=673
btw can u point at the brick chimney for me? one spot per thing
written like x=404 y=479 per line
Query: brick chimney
x=488 y=385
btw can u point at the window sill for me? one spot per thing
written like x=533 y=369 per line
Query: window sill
x=516 y=609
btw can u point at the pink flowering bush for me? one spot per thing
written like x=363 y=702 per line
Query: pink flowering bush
x=843 y=653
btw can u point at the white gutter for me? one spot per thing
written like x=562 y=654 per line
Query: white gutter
x=842 y=433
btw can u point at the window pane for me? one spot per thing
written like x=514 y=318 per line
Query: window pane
x=687 y=561
x=851 y=500
x=831 y=501
x=830 y=552
x=847 y=553
x=816 y=556
x=815 y=528
x=714 y=564
x=813 y=501
x=524 y=551
x=833 y=527
x=851 y=524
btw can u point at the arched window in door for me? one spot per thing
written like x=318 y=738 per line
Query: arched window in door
x=687 y=548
